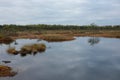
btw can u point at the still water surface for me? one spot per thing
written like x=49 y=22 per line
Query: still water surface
x=86 y=58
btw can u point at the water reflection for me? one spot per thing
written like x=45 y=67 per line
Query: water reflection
x=39 y=40
x=93 y=40
x=73 y=60
x=23 y=55
x=6 y=42
x=26 y=54
x=6 y=62
x=15 y=42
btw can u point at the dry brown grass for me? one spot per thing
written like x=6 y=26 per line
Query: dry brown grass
x=5 y=39
x=12 y=51
x=6 y=71
x=56 y=37
x=33 y=48
x=28 y=49
x=66 y=35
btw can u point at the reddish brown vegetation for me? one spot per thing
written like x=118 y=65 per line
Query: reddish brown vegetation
x=6 y=71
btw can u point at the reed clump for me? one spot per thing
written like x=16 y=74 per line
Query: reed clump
x=33 y=48
x=28 y=49
x=6 y=71
x=57 y=37
x=12 y=51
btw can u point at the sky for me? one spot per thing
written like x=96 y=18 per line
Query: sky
x=72 y=12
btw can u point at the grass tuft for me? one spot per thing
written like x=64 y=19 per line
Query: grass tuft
x=6 y=71
x=28 y=49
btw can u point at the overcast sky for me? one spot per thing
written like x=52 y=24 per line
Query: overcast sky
x=77 y=12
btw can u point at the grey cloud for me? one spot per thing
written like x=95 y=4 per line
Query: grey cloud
x=60 y=12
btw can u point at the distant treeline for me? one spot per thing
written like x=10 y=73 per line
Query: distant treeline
x=40 y=27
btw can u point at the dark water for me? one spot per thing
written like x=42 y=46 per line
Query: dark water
x=82 y=59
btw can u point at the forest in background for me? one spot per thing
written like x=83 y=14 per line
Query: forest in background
x=38 y=27
x=57 y=32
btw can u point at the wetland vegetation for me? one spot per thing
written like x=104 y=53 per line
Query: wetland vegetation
x=85 y=50
x=55 y=33
x=28 y=49
x=6 y=71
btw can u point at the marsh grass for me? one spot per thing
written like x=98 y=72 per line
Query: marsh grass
x=5 y=39
x=12 y=51
x=28 y=49
x=66 y=35
x=6 y=71
x=56 y=37
x=34 y=48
